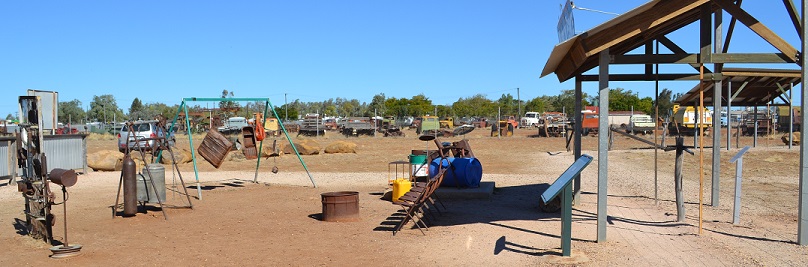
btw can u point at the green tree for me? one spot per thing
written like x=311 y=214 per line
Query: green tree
x=508 y=104
x=420 y=105
x=136 y=110
x=565 y=101
x=474 y=106
x=104 y=108
x=621 y=100
x=378 y=105
x=11 y=117
x=69 y=112
x=538 y=104
x=665 y=102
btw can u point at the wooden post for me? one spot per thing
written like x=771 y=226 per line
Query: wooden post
x=677 y=173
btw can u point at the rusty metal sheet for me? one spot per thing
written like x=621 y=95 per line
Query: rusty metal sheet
x=250 y=151
x=214 y=148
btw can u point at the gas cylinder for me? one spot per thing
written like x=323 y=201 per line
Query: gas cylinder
x=129 y=186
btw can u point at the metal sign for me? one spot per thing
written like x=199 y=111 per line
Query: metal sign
x=566 y=23
x=566 y=177
x=739 y=155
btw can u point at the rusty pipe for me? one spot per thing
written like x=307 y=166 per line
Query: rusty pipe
x=129 y=186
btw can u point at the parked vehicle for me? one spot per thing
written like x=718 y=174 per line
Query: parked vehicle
x=142 y=130
x=428 y=124
x=531 y=119
x=641 y=124
x=685 y=119
x=233 y=125
x=504 y=126
x=355 y=126
x=764 y=123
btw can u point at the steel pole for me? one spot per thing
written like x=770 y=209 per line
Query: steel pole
x=603 y=143
x=802 y=226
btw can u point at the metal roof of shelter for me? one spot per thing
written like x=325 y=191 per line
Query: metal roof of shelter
x=620 y=35
x=750 y=87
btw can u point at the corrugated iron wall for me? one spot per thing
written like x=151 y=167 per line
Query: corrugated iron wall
x=7 y=158
x=68 y=151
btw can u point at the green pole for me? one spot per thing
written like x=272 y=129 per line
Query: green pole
x=294 y=148
x=566 y=221
x=193 y=154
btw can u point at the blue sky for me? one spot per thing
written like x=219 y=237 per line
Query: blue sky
x=162 y=51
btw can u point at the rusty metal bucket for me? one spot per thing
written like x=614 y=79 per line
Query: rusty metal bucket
x=342 y=206
x=250 y=151
x=214 y=148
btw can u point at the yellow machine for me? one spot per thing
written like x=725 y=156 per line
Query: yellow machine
x=685 y=119
x=447 y=123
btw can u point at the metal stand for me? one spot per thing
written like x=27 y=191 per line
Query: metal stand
x=738 y=159
x=563 y=183
x=161 y=144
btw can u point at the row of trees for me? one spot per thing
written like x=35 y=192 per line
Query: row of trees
x=104 y=108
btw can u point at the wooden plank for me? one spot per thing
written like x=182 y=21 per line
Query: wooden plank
x=662 y=12
x=678 y=50
x=643 y=77
x=758 y=27
x=751 y=58
x=795 y=17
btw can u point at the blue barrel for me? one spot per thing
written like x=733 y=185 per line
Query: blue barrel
x=465 y=172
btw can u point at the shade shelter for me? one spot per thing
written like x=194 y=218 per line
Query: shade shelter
x=645 y=28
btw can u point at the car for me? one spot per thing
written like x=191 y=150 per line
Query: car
x=141 y=130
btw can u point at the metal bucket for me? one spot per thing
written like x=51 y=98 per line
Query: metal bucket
x=340 y=206
x=145 y=193
x=418 y=165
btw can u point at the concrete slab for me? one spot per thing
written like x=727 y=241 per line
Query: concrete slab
x=485 y=191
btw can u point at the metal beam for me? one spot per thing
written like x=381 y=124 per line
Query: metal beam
x=758 y=27
x=603 y=143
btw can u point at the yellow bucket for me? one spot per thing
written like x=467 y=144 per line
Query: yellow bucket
x=400 y=187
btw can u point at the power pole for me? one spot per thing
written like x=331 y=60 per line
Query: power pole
x=286 y=105
x=519 y=102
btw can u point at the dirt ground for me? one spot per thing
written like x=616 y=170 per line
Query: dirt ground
x=277 y=220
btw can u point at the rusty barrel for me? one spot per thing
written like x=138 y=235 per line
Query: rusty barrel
x=340 y=206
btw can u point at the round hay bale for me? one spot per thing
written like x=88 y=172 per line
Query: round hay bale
x=305 y=147
x=236 y=156
x=181 y=156
x=340 y=147
x=105 y=160
x=269 y=151
x=796 y=138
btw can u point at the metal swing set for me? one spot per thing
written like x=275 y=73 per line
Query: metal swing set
x=184 y=108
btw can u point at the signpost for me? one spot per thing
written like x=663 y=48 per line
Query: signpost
x=563 y=184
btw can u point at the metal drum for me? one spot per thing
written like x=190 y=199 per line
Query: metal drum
x=145 y=193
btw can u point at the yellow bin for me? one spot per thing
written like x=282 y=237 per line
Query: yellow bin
x=400 y=187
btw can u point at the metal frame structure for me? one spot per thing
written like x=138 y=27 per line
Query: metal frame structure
x=610 y=42
x=267 y=106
